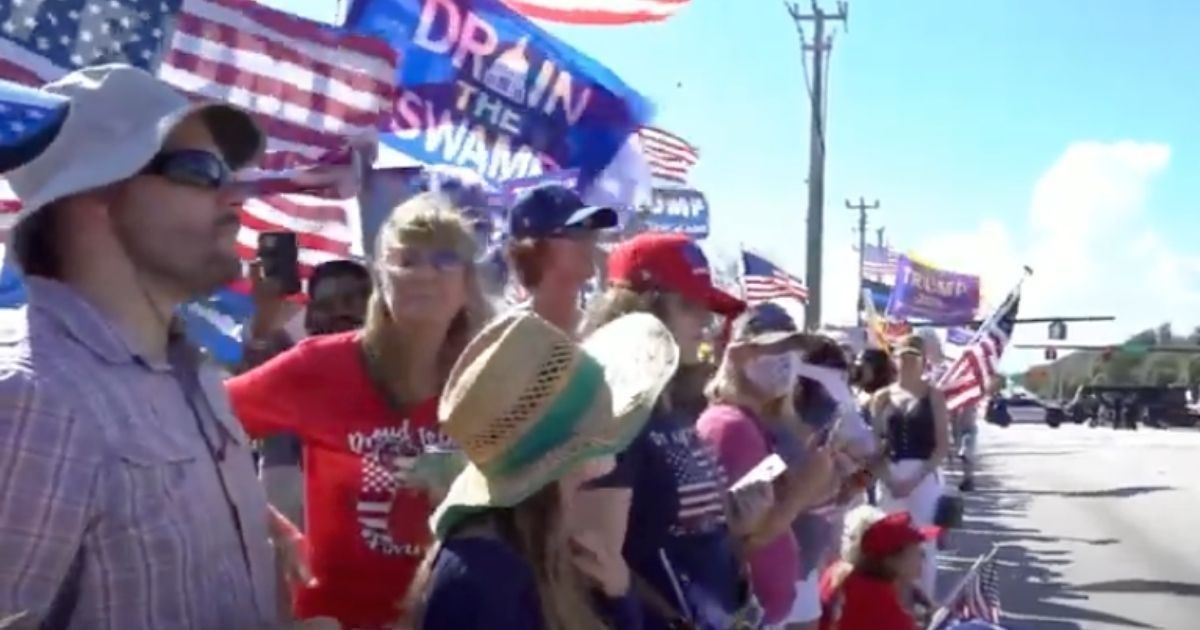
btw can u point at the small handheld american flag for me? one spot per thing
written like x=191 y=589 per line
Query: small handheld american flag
x=977 y=599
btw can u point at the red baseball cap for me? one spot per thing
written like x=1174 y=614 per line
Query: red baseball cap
x=893 y=533
x=669 y=262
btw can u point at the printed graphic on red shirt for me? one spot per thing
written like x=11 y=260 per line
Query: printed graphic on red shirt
x=388 y=455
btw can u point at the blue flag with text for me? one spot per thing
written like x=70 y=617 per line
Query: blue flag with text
x=482 y=87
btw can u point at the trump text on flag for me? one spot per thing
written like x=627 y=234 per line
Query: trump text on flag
x=925 y=292
x=482 y=87
x=678 y=210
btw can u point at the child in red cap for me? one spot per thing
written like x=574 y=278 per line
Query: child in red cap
x=871 y=587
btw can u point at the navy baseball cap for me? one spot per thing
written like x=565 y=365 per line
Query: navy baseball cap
x=769 y=324
x=552 y=210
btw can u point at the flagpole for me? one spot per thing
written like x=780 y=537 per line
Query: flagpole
x=742 y=269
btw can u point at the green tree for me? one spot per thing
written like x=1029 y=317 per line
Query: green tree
x=1122 y=368
x=1164 y=334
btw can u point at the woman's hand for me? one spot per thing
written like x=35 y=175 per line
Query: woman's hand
x=901 y=488
x=291 y=560
x=749 y=504
x=820 y=469
x=271 y=308
x=605 y=567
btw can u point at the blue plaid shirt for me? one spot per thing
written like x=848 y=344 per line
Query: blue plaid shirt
x=129 y=496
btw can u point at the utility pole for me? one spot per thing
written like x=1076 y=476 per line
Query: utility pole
x=879 y=236
x=862 y=208
x=816 y=161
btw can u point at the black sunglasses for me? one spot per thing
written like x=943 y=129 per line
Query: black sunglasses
x=190 y=167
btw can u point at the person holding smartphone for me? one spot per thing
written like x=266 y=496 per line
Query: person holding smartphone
x=750 y=418
x=337 y=292
x=364 y=404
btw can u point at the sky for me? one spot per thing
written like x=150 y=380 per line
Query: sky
x=995 y=134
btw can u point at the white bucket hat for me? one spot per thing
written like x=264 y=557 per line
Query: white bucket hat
x=116 y=121
x=525 y=403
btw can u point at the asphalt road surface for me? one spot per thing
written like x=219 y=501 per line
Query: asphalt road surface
x=1098 y=529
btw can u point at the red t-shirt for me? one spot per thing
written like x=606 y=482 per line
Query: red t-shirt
x=366 y=530
x=862 y=603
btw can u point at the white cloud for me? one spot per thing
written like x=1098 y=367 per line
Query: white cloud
x=1088 y=238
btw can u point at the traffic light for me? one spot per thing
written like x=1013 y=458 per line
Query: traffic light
x=1051 y=354
x=1058 y=330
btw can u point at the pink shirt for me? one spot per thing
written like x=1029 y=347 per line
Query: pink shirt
x=734 y=433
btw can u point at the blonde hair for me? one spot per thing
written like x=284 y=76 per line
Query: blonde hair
x=533 y=529
x=685 y=393
x=426 y=219
x=857 y=522
x=619 y=300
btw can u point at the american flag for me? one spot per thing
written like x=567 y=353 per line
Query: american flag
x=598 y=11
x=966 y=381
x=879 y=261
x=315 y=91
x=669 y=157
x=763 y=281
x=977 y=599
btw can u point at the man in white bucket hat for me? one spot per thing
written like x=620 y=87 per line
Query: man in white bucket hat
x=129 y=496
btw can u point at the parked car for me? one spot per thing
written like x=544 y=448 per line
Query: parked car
x=1004 y=411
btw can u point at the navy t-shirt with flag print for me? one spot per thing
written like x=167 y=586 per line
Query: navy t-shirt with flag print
x=678 y=540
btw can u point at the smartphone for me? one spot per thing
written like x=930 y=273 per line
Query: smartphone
x=279 y=254
x=768 y=469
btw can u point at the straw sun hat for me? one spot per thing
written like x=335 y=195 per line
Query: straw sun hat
x=525 y=403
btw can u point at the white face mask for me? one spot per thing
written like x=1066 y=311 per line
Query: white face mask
x=773 y=374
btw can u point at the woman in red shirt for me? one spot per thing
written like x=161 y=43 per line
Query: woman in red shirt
x=871 y=588
x=364 y=404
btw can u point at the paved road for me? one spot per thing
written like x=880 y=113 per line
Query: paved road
x=1100 y=529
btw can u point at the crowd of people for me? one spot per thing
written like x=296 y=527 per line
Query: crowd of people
x=668 y=457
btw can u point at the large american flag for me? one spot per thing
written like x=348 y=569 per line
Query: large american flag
x=977 y=599
x=762 y=280
x=669 y=157
x=598 y=11
x=317 y=92
x=965 y=382
x=879 y=261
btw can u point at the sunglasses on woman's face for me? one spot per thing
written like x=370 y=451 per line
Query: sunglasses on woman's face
x=190 y=167
x=438 y=259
